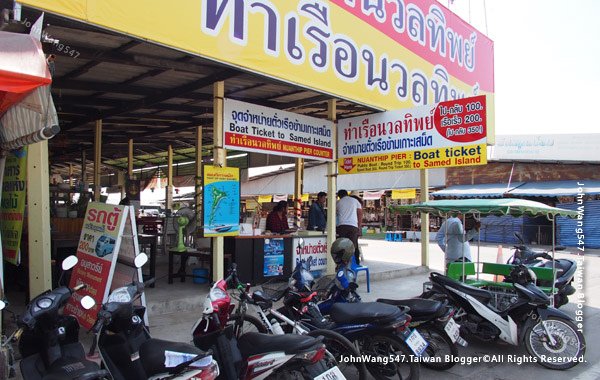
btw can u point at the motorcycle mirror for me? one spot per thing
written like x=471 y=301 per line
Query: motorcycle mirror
x=140 y=260
x=87 y=302
x=69 y=262
x=2 y=305
x=519 y=237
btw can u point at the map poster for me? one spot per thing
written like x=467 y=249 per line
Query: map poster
x=221 y=201
x=273 y=259
x=13 y=203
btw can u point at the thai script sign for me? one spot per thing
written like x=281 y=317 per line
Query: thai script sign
x=14 y=195
x=388 y=54
x=221 y=198
x=310 y=251
x=449 y=134
x=266 y=130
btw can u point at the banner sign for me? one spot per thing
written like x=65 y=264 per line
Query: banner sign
x=444 y=135
x=264 y=198
x=253 y=128
x=221 y=201
x=384 y=54
x=14 y=195
x=273 y=258
x=404 y=194
x=311 y=251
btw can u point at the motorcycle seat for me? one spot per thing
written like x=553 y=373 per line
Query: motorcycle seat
x=482 y=295
x=262 y=300
x=420 y=308
x=71 y=368
x=257 y=343
x=364 y=312
x=152 y=354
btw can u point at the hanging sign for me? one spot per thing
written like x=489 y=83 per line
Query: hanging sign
x=14 y=195
x=264 y=198
x=404 y=194
x=254 y=128
x=448 y=134
x=221 y=201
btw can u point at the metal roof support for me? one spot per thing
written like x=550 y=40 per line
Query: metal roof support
x=424 y=219
x=97 y=159
x=198 y=178
x=169 y=188
x=130 y=158
x=298 y=187
x=331 y=186
x=220 y=159
x=38 y=199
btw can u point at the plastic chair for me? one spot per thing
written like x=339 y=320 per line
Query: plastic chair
x=357 y=268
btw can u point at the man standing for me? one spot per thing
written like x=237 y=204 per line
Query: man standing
x=317 y=218
x=453 y=241
x=349 y=220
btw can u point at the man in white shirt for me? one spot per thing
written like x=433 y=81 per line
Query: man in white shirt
x=453 y=241
x=349 y=220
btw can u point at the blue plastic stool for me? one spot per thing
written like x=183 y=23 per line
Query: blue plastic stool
x=357 y=268
x=398 y=236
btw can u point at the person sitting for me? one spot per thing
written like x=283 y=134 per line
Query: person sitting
x=277 y=219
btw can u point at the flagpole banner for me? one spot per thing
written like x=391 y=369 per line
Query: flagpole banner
x=383 y=54
x=221 y=198
x=442 y=135
x=14 y=196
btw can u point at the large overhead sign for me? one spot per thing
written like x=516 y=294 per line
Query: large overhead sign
x=448 y=134
x=385 y=54
x=267 y=130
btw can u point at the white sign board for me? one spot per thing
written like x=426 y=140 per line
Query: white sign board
x=311 y=251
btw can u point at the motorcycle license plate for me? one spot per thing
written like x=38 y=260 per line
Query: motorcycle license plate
x=453 y=330
x=416 y=342
x=331 y=374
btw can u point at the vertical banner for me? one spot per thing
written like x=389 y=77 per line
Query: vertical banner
x=98 y=249
x=14 y=196
x=221 y=201
x=273 y=259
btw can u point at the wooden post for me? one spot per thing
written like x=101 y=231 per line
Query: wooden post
x=97 y=158
x=198 y=180
x=169 y=188
x=298 y=188
x=220 y=159
x=84 y=171
x=331 y=186
x=130 y=159
x=424 y=219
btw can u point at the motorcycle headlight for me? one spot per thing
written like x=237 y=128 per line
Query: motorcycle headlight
x=217 y=294
x=120 y=295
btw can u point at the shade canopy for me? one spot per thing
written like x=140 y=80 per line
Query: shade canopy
x=505 y=206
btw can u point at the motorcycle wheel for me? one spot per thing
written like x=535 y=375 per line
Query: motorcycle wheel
x=390 y=358
x=338 y=346
x=570 y=343
x=246 y=323
x=440 y=347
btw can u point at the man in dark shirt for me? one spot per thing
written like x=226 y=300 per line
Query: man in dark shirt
x=277 y=219
x=317 y=218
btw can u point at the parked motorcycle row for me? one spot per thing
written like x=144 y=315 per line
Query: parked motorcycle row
x=313 y=335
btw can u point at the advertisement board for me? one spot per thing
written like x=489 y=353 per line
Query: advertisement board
x=273 y=257
x=442 y=135
x=221 y=201
x=254 y=128
x=310 y=251
x=384 y=54
x=14 y=195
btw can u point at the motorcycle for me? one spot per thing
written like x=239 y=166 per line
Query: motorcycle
x=129 y=352
x=549 y=335
x=565 y=269
x=257 y=355
x=49 y=341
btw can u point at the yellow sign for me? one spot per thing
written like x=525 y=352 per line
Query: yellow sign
x=13 y=204
x=305 y=197
x=385 y=54
x=404 y=194
x=465 y=155
x=264 y=198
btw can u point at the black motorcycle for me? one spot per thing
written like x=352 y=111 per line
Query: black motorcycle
x=565 y=269
x=49 y=341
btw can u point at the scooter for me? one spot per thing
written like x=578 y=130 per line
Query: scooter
x=129 y=352
x=549 y=335
x=565 y=269
x=49 y=341
x=257 y=355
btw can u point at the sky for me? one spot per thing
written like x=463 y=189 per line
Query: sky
x=546 y=62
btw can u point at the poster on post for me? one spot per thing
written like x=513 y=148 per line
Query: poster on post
x=14 y=195
x=221 y=201
x=100 y=242
x=273 y=258
x=447 y=134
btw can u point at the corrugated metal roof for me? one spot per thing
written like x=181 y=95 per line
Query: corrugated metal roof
x=557 y=188
x=484 y=190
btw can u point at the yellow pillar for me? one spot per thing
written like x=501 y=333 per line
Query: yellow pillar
x=130 y=159
x=97 y=158
x=220 y=159
x=298 y=188
x=424 y=219
x=331 y=187
x=38 y=214
x=198 y=179
x=169 y=188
